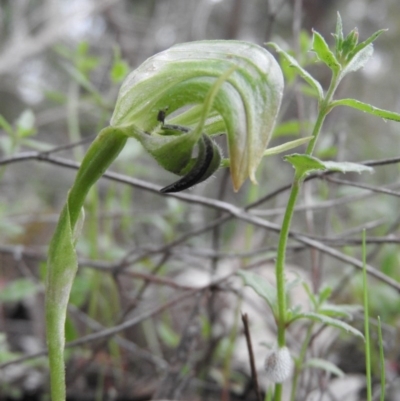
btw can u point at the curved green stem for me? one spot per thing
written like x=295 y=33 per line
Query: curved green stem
x=62 y=261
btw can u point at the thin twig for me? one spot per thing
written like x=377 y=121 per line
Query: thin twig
x=106 y=333
x=234 y=211
x=254 y=376
x=363 y=186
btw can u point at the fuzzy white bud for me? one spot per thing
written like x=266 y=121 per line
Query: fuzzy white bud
x=279 y=365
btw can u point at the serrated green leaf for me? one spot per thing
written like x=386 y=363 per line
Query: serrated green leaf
x=321 y=48
x=367 y=108
x=358 y=60
x=330 y=322
x=304 y=164
x=347 y=167
x=300 y=70
x=324 y=365
x=261 y=286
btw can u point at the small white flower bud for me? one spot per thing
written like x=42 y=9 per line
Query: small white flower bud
x=279 y=365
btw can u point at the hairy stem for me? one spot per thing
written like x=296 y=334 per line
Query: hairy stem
x=324 y=108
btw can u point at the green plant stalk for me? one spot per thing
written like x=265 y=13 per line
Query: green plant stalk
x=103 y=151
x=62 y=258
x=324 y=109
x=382 y=361
x=366 y=321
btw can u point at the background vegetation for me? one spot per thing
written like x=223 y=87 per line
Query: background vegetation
x=164 y=267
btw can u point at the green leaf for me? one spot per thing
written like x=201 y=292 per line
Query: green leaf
x=5 y=125
x=304 y=164
x=248 y=102
x=293 y=283
x=18 y=290
x=26 y=124
x=344 y=311
x=321 y=48
x=367 y=108
x=347 y=167
x=119 y=71
x=120 y=68
x=330 y=322
x=366 y=43
x=324 y=365
x=358 y=60
x=311 y=296
x=338 y=34
x=324 y=294
x=300 y=70
x=349 y=43
x=261 y=286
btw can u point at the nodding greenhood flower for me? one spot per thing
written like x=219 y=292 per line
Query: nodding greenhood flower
x=279 y=365
x=172 y=103
x=203 y=88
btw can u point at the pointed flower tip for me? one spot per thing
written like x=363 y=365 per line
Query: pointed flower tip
x=279 y=365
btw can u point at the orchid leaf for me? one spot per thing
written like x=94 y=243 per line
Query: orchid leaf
x=261 y=286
